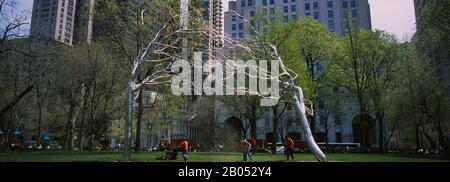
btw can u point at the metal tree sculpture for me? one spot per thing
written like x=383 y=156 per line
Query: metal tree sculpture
x=218 y=53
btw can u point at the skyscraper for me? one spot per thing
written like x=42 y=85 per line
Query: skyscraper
x=332 y=13
x=66 y=21
x=84 y=21
x=54 y=19
x=213 y=14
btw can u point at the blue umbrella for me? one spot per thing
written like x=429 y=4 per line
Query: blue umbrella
x=45 y=137
x=17 y=132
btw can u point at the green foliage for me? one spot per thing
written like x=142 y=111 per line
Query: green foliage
x=433 y=28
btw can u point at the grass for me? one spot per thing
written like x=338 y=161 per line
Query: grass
x=74 y=156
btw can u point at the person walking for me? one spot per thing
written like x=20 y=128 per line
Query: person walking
x=185 y=149
x=289 y=145
x=246 y=147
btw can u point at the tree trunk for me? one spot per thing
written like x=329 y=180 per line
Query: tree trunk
x=253 y=127
x=275 y=123
x=379 y=119
x=8 y=129
x=90 y=142
x=312 y=120
x=69 y=126
x=429 y=138
x=39 y=124
x=139 y=121
x=128 y=133
x=388 y=140
x=417 y=138
x=81 y=132
x=327 y=130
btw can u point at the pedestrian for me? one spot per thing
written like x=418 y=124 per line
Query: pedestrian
x=246 y=147
x=289 y=146
x=185 y=148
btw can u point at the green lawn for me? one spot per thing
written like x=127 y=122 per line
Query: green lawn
x=72 y=156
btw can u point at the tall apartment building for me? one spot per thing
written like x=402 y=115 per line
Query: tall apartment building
x=212 y=14
x=332 y=13
x=66 y=21
x=84 y=21
x=54 y=19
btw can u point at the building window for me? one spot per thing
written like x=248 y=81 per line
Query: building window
x=272 y=2
x=233 y=35
x=285 y=19
x=233 y=26
x=241 y=26
x=264 y=11
x=307 y=14
x=307 y=7
x=250 y=2
x=344 y=4
x=331 y=25
x=264 y=2
x=285 y=1
x=272 y=11
x=316 y=15
x=316 y=5
x=354 y=14
x=353 y=4
x=243 y=3
x=330 y=14
x=233 y=18
x=293 y=8
x=285 y=9
x=293 y=1
x=252 y=14
x=241 y=35
x=330 y=4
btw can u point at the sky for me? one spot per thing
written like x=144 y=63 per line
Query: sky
x=393 y=16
